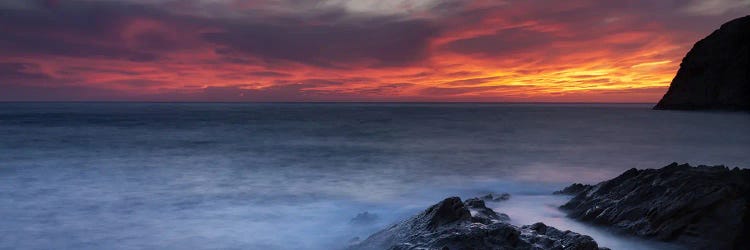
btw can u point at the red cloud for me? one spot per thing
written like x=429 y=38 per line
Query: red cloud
x=580 y=50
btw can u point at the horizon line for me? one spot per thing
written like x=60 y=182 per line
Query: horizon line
x=333 y=102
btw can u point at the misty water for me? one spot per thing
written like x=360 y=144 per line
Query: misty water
x=292 y=176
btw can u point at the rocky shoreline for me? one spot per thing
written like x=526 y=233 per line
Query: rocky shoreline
x=704 y=207
x=456 y=224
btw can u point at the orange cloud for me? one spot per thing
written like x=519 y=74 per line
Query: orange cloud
x=577 y=51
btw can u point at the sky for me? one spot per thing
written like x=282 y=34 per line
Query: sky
x=350 y=50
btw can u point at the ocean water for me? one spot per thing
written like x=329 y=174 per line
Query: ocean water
x=292 y=176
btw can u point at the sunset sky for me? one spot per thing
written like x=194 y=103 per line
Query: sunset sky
x=356 y=50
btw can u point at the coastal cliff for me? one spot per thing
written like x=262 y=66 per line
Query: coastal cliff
x=715 y=74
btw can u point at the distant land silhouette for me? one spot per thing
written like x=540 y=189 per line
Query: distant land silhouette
x=715 y=74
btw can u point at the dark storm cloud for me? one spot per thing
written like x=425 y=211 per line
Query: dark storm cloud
x=74 y=71
x=94 y=29
x=21 y=72
x=41 y=45
x=389 y=43
x=75 y=29
x=26 y=81
x=60 y=90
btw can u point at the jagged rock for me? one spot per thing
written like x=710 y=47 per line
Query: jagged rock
x=574 y=189
x=364 y=218
x=452 y=224
x=715 y=74
x=496 y=197
x=481 y=213
x=704 y=207
x=542 y=236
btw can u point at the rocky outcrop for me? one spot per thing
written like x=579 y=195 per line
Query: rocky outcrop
x=574 y=189
x=493 y=197
x=715 y=74
x=702 y=207
x=453 y=224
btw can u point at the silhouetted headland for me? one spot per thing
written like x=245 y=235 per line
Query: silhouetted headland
x=715 y=74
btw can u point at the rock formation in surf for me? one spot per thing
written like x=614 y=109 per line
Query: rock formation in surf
x=452 y=225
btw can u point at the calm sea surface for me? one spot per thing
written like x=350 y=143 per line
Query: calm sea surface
x=292 y=176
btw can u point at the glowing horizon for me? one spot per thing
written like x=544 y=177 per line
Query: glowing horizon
x=394 y=50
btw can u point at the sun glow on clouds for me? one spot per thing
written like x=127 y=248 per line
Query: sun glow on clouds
x=395 y=50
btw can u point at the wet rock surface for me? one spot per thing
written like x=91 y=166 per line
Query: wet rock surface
x=455 y=224
x=574 y=189
x=715 y=74
x=704 y=207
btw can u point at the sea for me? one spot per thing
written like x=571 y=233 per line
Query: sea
x=297 y=175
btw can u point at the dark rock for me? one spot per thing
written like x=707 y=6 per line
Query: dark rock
x=452 y=224
x=481 y=213
x=702 y=207
x=715 y=74
x=542 y=236
x=574 y=189
x=443 y=213
x=364 y=218
x=496 y=197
